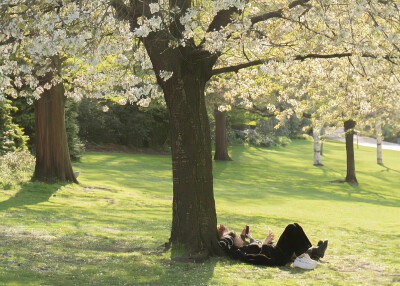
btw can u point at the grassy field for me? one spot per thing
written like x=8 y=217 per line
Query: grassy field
x=109 y=230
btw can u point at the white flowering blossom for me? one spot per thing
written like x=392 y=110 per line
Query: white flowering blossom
x=144 y=102
x=154 y=8
x=166 y=75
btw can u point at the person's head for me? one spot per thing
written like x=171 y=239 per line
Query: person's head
x=222 y=230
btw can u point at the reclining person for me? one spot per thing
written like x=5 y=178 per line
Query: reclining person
x=293 y=241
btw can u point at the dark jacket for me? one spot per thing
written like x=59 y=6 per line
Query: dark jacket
x=254 y=253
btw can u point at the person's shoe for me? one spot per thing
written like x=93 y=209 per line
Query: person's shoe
x=319 y=251
x=305 y=262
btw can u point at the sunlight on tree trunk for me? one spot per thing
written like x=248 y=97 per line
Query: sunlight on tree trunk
x=317 y=148
x=349 y=135
x=378 y=130
x=53 y=162
x=221 y=146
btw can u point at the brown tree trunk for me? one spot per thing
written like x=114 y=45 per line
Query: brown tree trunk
x=349 y=135
x=194 y=218
x=221 y=146
x=53 y=162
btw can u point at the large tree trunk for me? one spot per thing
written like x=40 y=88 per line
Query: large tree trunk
x=194 y=218
x=53 y=162
x=349 y=135
x=378 y=130
x=221 y=146
x=317 y=147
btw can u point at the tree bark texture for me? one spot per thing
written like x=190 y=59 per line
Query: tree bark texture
x=53 y=162
x=194 y=218
x=349 y=136
x=317 y=147
x=378 y=130
x=221 y=146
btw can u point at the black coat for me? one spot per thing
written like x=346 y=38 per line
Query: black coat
x=254 y=253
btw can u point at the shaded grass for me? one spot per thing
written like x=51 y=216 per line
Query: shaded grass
x=110 y=229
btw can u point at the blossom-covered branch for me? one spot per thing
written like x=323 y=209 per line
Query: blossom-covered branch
x=236 y=68
x=278 y=13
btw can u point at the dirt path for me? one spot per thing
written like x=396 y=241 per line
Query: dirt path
x=363 y=141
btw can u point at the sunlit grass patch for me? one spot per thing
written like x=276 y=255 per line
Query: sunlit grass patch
x=110 y=229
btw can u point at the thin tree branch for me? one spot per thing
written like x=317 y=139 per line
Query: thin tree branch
x=122 y=11
x=222 y=19
x=238 y=67
x=277 y=13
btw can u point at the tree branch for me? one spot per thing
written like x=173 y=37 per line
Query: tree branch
x=322 y=56
x=264 y=112
x=277 y=13
x=8 y=41
x=222 y=19
x=122 y=11
x=238 y=67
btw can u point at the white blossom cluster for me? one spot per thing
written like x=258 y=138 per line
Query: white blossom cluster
x=79 y=45
x=84 y=46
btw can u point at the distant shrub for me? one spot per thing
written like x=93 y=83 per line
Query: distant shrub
x=16 y=167
x=75 y=144
x=12 y=137
x=125 y=125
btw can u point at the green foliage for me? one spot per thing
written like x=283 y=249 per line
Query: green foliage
x=16 y=167
x=109 y=230
x=76 y=147
x=126 y=125
x=389 y=133
x=12 y=137
x=270 y=131
x=24 y=116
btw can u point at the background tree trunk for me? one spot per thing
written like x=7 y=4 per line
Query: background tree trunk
x=53 y=162
x=349 y=135
x=221 y=146
x=378 y=130
x=317 y=148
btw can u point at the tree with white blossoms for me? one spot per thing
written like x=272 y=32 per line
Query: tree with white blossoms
x=195 y=40
x=348 y=91
x=47 y=55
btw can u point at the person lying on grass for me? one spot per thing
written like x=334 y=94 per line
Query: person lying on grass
x=293 y=241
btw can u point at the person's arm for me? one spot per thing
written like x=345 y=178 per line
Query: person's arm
x=270 y=238
x=246 y=234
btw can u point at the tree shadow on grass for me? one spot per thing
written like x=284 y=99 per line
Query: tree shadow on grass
x=220 y=166
x=31 y=194
x=387 y=169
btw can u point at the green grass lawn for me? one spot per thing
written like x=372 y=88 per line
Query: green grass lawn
x=109 y=230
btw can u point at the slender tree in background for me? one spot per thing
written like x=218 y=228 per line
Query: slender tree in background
x=349 y=126
x=221 y=145
x=379 y=139
x=317 y=146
